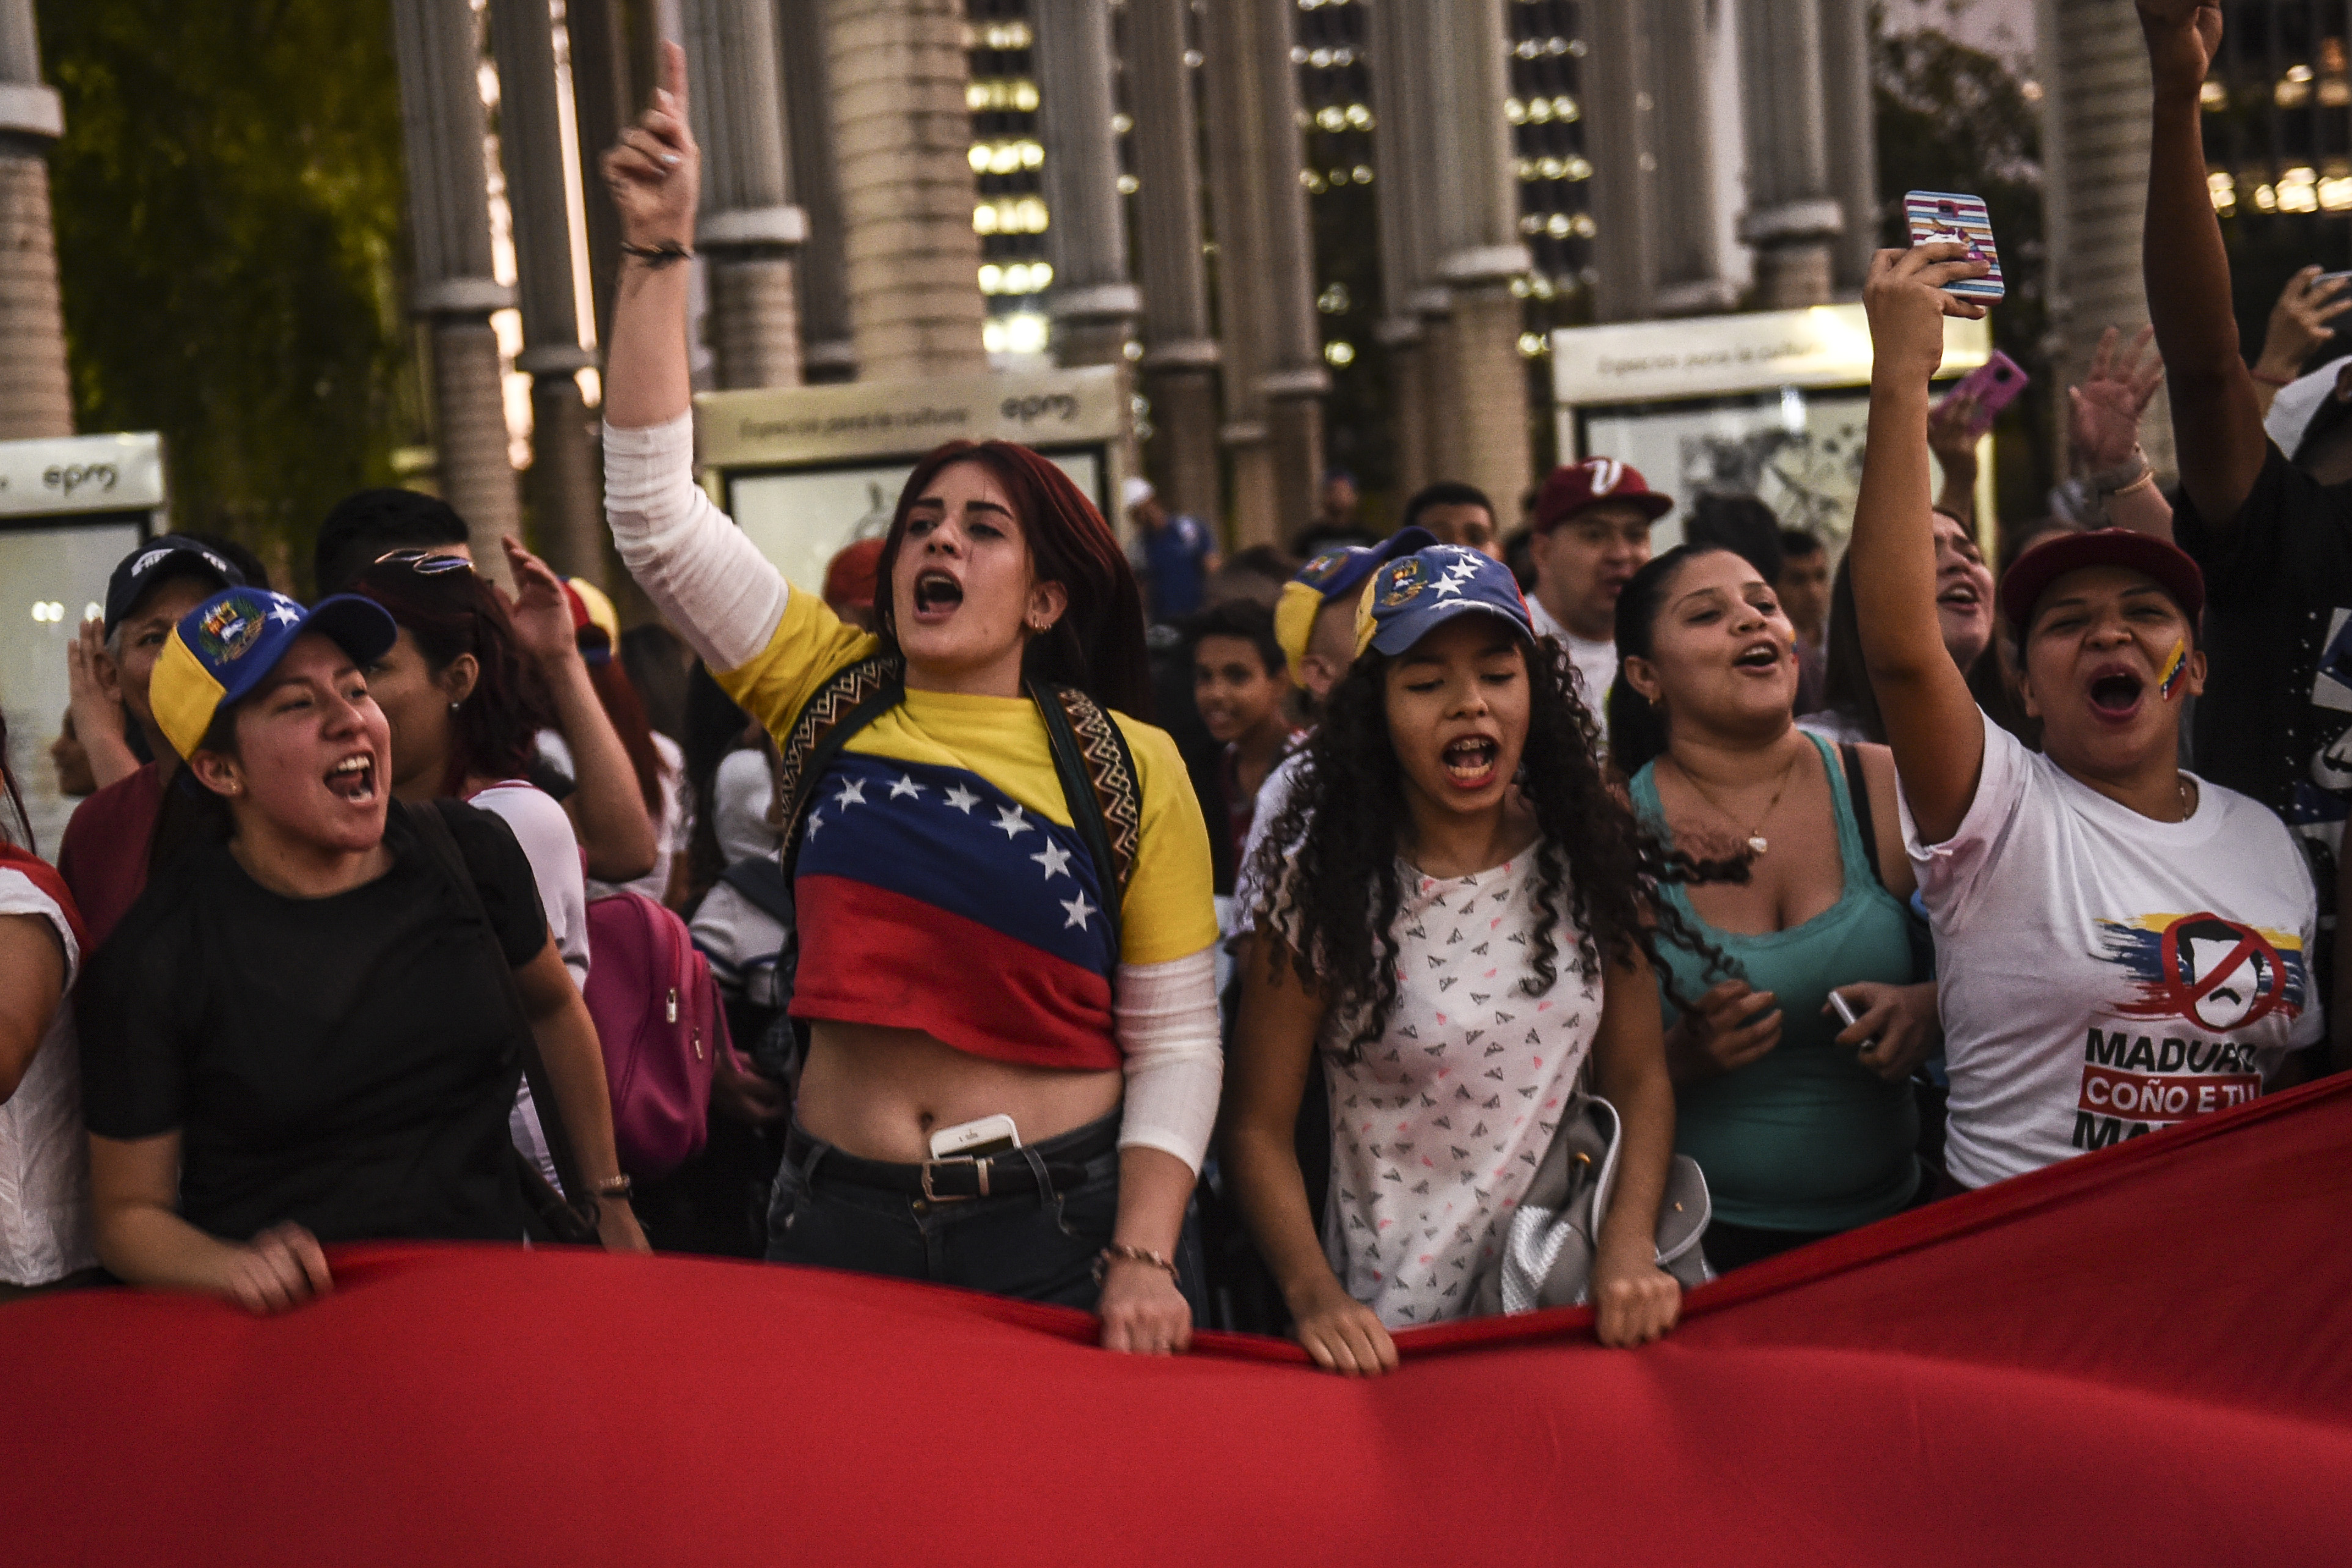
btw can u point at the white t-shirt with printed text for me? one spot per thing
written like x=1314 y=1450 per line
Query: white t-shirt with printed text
x=1437 y=1129
x=2102 y=974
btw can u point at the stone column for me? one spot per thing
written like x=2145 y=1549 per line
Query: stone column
x=456 y=289
x=828 y=345
x=36 y=398
x=1622 y=126
x=1794 y=218
x=1478 y=210
x=1400 y=121
x=2094 y=158
x=603 y=103
x=565 y=501
x=1094 y=303
x=1179 y=357
x=1237 y=208
x=1682 y=191
x=748 y=229
x=903 y=138
x=1294 y=381
x=1848 y=108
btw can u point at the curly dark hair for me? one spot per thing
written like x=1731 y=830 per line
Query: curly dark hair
x=1329 y=859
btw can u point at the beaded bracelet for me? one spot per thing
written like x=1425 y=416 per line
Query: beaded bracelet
x=1120 y=1249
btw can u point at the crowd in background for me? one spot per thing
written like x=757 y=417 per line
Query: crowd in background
x=876 y=924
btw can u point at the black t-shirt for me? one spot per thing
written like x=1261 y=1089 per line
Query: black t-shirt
x=346 y=1062
x=2275 y=721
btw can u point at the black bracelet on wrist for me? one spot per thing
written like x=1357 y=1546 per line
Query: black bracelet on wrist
x=656 y=257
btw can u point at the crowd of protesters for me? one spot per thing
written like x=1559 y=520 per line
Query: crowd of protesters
x=1855 y=873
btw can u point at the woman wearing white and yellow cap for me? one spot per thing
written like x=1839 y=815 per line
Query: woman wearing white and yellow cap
x=301 y=1032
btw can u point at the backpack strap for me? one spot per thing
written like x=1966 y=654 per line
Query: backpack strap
x=761 y=878
x=857 y=695
x=1099 y=780
x=1857 y=790
x=431 y=828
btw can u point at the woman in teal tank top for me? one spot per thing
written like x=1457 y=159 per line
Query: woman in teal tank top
x=1804 y=1126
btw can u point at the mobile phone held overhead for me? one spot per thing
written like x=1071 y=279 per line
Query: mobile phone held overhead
x=1954 y=215
x=1994 y=385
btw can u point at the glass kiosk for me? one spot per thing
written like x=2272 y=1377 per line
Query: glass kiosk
x=70 y=507
x=1772 y=404
x=805 y=470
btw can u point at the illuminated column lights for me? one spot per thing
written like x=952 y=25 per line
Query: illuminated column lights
x=1008 y=160
x=2282 y=107
x=1546 y=112
x=1335 y=122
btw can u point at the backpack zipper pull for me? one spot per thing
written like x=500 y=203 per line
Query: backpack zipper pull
x=673 y=1004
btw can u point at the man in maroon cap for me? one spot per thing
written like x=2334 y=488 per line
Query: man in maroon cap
x=1592 y=535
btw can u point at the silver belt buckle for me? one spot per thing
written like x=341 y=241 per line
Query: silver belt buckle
x=979 y=1166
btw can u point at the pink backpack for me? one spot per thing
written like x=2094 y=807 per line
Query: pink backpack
x=658 y=1017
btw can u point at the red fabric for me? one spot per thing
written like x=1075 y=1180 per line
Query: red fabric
x=2139 y=1356
x=870 y=955
x=103 y=857
x=45 y=878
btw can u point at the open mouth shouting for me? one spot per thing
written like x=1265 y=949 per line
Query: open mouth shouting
x=353 y=778
x=1470 y=761
x=1760 y=657
x=2115 y=692
x=938 y=595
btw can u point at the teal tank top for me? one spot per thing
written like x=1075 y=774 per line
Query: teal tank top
x=1805 y=1138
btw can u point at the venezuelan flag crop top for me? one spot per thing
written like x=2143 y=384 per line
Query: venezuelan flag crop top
x=941 y=885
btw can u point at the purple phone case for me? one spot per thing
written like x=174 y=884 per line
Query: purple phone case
x=1993 y=389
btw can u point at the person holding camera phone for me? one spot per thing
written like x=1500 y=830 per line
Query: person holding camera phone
x=1012 y=1067
x=1803 y=1122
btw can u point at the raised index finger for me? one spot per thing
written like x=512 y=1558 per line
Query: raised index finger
x=674 y=77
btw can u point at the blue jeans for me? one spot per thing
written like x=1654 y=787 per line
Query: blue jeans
x=1037 y=1244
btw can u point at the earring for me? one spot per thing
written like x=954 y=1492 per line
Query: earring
x=455 y=706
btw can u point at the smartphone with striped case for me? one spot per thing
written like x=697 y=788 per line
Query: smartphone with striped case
x=1955 y=216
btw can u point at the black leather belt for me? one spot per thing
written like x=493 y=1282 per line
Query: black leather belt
x=942 y=1180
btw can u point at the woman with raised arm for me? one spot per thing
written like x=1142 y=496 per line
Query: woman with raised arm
x=970 y=972
x=2121 y=944
x=1454 y=917
x=300 y=1033
x=1804 y=1124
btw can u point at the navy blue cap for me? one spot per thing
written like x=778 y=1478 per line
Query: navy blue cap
x=1413 y=596
x=160 y=560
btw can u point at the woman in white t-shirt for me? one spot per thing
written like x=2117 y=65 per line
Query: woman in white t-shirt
x=2120 y=945
x=1450 y=792
x=45 y=1222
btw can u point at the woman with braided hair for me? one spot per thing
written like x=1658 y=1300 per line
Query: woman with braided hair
x=1455 y=919
x=1000 y=876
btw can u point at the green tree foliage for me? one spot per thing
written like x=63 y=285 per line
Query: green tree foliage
x=228 y=197
x=1955 y=118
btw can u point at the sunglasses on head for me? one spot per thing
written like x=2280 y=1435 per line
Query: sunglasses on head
x=427 y=562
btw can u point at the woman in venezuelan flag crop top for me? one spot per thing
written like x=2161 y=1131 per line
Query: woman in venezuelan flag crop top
x=956 y=962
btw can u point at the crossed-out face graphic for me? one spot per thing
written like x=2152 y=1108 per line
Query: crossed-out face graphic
x=2216 y=974
x=2219 y=974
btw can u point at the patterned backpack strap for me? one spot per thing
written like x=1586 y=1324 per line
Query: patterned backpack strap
x=1099 y=780
x=855 y=696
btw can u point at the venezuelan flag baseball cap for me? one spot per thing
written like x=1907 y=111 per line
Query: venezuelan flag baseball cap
x=226 y=646
x=1413 y=595
x=1330 y=575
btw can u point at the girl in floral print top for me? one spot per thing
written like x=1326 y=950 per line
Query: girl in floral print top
x=1451 y=792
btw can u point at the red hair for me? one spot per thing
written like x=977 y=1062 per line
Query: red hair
x=1097 y=645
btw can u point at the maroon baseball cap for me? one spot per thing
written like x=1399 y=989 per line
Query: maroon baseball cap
x=2030 y=576
x=1575 y=488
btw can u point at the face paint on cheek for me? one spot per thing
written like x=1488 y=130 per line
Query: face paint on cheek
x=2174 y=667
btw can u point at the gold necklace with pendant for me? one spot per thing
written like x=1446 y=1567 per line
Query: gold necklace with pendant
x=1757 y=842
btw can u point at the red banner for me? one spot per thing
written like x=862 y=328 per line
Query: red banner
x=2144 y=1354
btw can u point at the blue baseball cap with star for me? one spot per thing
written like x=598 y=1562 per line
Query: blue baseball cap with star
x=223 y=647
x=1413 y=596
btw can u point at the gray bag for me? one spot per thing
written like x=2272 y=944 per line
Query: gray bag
x=1548 y=1251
